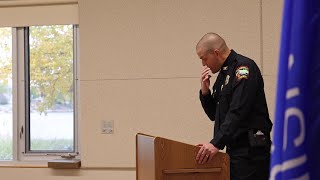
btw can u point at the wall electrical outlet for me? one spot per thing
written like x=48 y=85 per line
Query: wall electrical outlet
x=107 y=127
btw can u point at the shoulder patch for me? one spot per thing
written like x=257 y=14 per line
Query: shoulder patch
x=242 y=72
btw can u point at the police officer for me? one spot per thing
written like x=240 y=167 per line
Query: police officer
x=237 y=105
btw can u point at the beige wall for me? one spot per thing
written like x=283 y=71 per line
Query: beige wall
x=139 y=68
x=51 y=174
x=271 y=29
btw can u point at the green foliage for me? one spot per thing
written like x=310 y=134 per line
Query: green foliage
x=51 y=65
x=52 y=144
x=6 y=148
x=5 y=57
x=37 y=144
x=3 y=88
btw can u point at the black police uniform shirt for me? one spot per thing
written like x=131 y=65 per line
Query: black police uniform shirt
x=237 y=103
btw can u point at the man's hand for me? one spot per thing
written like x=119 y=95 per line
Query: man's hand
x=205 y=81
x=206 y=152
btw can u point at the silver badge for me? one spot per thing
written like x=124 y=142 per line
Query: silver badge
x=227 y=80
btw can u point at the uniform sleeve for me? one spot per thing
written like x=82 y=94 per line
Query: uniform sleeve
x=208 y=103
x=244 y=89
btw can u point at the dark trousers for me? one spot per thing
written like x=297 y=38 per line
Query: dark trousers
x=247 y=163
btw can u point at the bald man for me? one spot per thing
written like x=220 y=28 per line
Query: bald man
x=237 y=105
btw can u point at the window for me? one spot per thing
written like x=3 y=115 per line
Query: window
x=6 y=94
x=50 y=88
x=38 y=86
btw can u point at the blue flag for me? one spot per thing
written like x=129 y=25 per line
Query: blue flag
x=296 y=138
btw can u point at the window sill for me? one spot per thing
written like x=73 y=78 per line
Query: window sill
x=65 y=164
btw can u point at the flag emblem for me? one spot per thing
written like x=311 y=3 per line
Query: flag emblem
x=242 y=72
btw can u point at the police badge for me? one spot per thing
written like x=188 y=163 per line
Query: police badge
x=227 y=80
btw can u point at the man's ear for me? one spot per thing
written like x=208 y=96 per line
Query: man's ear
x=216 y=52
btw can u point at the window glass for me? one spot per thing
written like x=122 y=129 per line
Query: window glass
x=51 y=88
x=6 y=119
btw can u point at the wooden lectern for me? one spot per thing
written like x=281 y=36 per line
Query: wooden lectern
x=163 y=159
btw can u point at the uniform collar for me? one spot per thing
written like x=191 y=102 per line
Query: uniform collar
x=230 y=58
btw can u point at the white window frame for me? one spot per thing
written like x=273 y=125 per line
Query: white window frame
x=20 y=155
